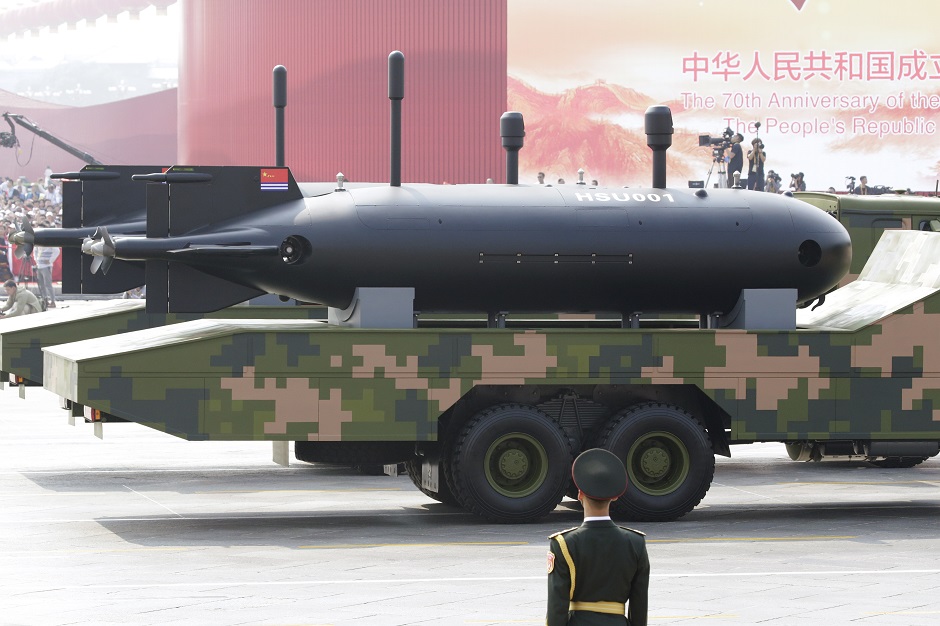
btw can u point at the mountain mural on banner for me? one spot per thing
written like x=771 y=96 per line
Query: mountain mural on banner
x=833 y=101
x=598 y=128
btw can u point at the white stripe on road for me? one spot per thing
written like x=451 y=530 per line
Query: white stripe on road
x=407 y=581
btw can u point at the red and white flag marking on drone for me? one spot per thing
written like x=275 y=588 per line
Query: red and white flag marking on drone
x=274 y=179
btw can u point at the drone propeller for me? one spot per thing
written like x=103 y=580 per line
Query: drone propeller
x=24 y=240
x=101 y=246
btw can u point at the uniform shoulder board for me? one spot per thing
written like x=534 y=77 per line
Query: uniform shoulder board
x=562 y=532
x=634 y=531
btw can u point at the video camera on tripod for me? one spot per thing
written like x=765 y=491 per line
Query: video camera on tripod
x=719 y=144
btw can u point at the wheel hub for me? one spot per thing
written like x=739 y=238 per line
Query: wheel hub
x=513 y=464
x=655 y=462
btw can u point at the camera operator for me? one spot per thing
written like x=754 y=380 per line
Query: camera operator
x=772 y=185
x=736 y=161
x=863 y=189
x=755 y=160
x=797 y=183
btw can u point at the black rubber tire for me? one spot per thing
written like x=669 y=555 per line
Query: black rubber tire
x=897 y=462
x=571 y=490
x=444 y=495
x=511 y=463
x=669 y=460
x=447 y=454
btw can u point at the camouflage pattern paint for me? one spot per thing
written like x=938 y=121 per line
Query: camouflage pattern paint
x=231 y=380
x=23 y=338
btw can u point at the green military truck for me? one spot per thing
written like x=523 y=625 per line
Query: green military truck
x=490 y=418
x=867 y=217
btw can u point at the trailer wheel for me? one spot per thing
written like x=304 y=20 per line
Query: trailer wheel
x=668 y=457
x=895 y=462
x=511 y=464
x=443 y=495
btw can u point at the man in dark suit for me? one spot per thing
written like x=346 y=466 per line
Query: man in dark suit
x=736 y=162
x=598 y=571
x=862 y=188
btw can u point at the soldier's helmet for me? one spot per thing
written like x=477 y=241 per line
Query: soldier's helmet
x=599 y=474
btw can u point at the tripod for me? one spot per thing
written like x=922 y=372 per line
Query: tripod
x=722 y=174
x=27 y=271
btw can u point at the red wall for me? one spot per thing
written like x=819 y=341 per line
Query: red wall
x=337 y=114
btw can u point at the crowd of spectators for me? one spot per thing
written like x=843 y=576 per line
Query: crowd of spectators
x=38 y=201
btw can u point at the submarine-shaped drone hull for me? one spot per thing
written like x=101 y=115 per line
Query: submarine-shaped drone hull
x=497 y=248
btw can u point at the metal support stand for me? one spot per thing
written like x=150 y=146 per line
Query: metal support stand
x=496 y=319
x=761 y=309
x=377 y=307
x=280 y=453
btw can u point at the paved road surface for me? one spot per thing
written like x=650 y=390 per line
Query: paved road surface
x=142 y=528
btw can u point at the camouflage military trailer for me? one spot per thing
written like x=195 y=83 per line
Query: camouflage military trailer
x=490 y=419
x=23 y=338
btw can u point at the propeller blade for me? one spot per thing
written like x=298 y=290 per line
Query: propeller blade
x=102 y=263
x=24 y=240
x=108 y=242
x=101 y=246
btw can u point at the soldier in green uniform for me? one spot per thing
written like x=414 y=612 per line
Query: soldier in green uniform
x=598 y=571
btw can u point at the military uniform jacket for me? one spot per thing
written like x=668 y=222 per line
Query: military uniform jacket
x=23 y=302
x=598 y=562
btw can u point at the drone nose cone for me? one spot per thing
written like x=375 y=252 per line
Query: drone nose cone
x=827 y=257
x=824 y=252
